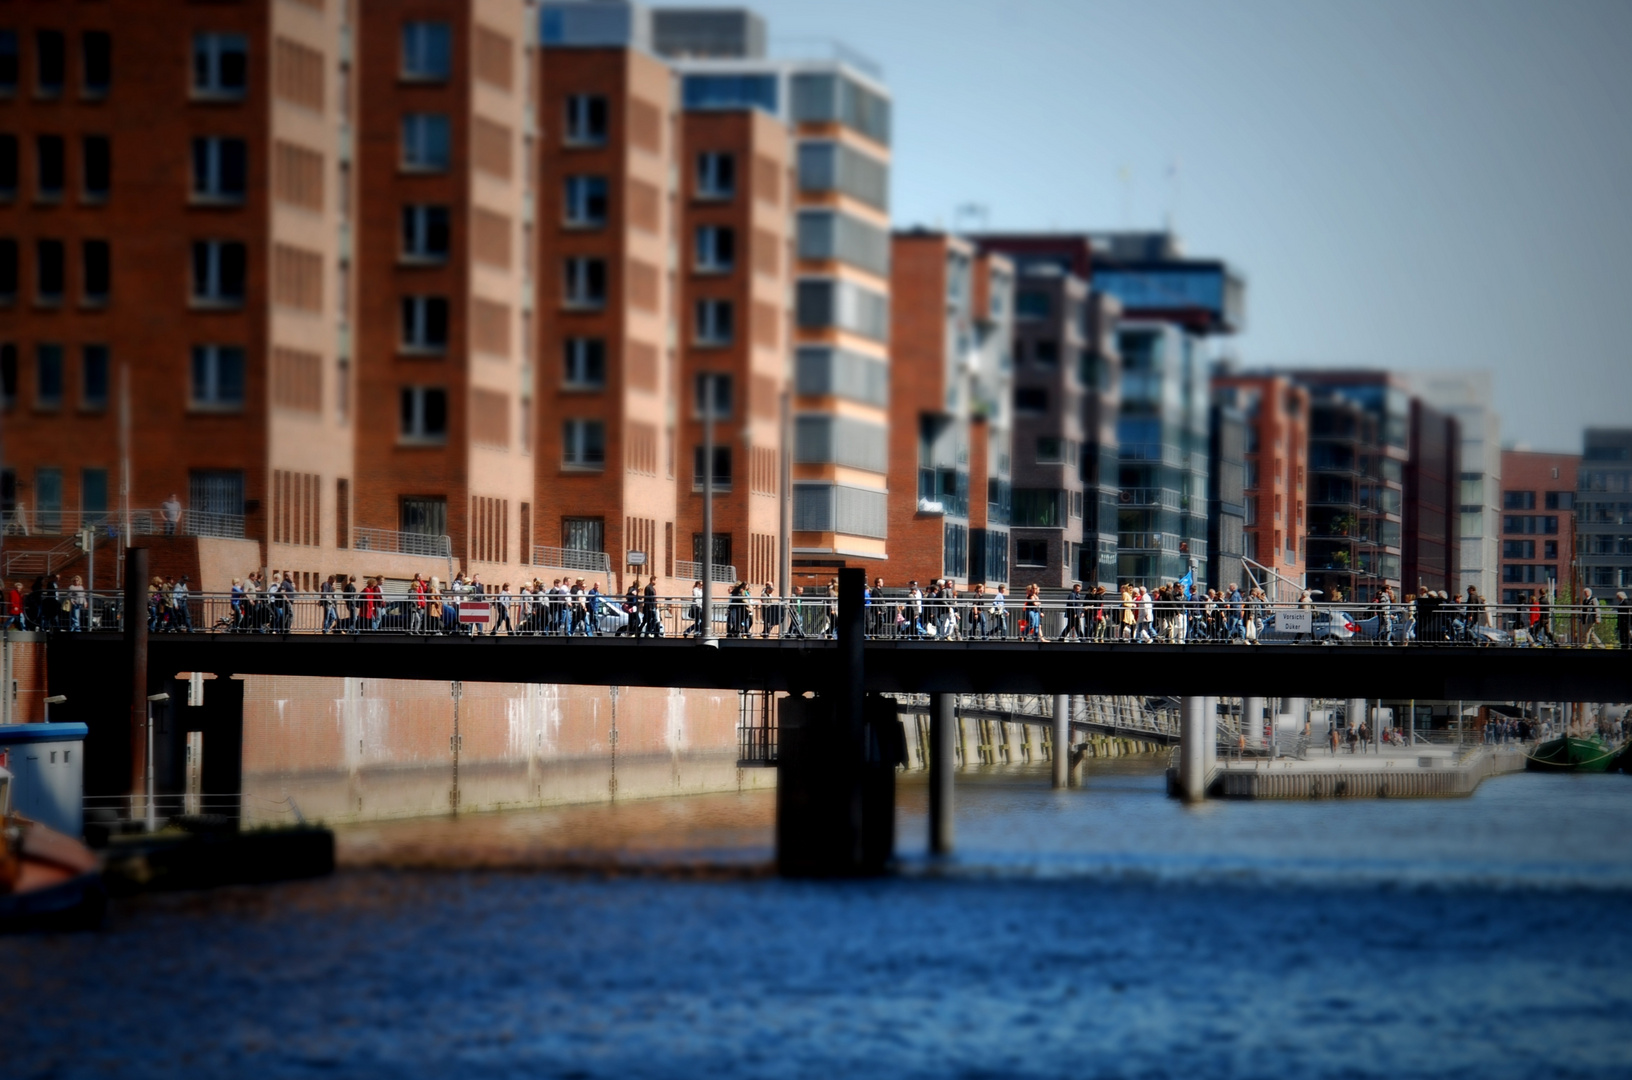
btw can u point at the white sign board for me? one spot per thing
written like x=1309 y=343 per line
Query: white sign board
x=1295 y=622
x=637 y=558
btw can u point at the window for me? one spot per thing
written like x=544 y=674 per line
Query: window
x=1050 y=450
x=831 y=234
x=93 y=376
x=218 y=376
x=47 y=376
x=721 y=384
x=425 y=142
x=714 y=322
x=1518 y=549
x=1030 y=400
x=1030 y=552
x=583 y=444
x=722 y=468
x=423 y=515
x=425 y=233
x=716 y=248
x=1518 y=500
x=93 y=494
x=98 y=271
x=424 y=414
x=583 y=363
x=716 y=176
x=8 y=166
x=50 y=172
x=822 y=303
x=731 y=92
x=586 y=120
x=220 y=65
x=1561 y=500
x=427 y=51
x=424 y=324
x=218 y=272
x=8 y=376
x=583 y=534
x=51 y=70
x=1033 y=304
x=96 y=51
x=1045 y=353
x=585 y=283
x=48 y=499
x=1037 y=508
x=50 y=270
x=8 y=271
x=8 y=62
x=586 y=201
x=1549 y=549
x=833 y=166
x=97 y=160
x=219 y=169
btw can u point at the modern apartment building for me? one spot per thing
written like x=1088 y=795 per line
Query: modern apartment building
x=1433 y=551
x=1275 y=452
x=1067 y=381
x=1356 y=526
x=1538 y=523
x=950 y=437
x=445 y=244
x=1603 y=511
x=735 y=289
x=176 y=195
x=1467 y=396
x=839 y=112
x=608 y=288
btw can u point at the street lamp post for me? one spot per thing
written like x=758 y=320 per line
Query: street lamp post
x=705 y=633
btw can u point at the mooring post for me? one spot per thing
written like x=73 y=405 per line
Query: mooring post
x=943 y=719
x=135 y=617
x=1062 y=740
x=1192 y=748
x=1252 y=720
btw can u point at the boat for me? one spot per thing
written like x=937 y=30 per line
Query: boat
x=48 y=881
x=1571 y=754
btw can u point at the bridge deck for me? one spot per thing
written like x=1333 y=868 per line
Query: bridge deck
x=1439 y=672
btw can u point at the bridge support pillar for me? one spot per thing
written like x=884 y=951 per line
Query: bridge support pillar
x=943 y=721
x=1252 y=720
x=1195 y=735
x=1062 y=740
x=1209 y=737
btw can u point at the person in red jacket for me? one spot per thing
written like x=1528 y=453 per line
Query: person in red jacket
x=418 y=614
x=14 y=607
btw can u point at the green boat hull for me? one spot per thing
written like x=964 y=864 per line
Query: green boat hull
x=1572 y=755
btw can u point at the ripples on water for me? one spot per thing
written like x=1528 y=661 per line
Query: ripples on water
x=1107 y=931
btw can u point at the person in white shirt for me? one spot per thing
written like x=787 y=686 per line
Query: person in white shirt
x=1000 y=613
x=77 y=612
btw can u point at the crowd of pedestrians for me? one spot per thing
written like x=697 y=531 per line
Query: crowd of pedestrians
x=562 y=606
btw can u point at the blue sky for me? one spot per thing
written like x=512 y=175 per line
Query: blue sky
x=1438 y=184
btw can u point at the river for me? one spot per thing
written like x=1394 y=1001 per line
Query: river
x=1103 y=931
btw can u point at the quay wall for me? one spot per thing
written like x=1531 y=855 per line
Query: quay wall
x=989 y=741
x=365 y=749
x=1402 y=780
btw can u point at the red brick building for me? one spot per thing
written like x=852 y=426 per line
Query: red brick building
x=1538 y=522
x=736 y=254
x=1277 y=455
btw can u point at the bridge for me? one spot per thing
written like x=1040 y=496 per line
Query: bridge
x=838 y=738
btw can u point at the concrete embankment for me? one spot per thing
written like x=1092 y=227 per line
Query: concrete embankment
x=989 y=741
x=1408 y=774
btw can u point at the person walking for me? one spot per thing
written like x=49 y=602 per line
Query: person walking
x=419 y=605
x=1075 y=606
x=78 y=615
x=170 y=510
x=695 y=612
x=1590 y=618
x=325 y=598
x=649 y=624
x=1031 y=614
x=1000 y=611
x=1623 y=621
x=180 y=606
x=631 y=610
x=14 y=607
x=770 y=612
x=501 y=613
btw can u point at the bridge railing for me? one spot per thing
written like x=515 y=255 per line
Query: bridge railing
x=887 y=618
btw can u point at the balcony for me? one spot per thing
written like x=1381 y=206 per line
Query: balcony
x=593 y=562
x=685 y=568
x=392 y=542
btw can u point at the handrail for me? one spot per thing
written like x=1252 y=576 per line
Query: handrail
x=396 y=542
x=595 y=562
x=723 y=572
x=889 y=616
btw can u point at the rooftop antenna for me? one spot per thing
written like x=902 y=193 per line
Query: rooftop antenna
x=974 y=212
x=1173 y=196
